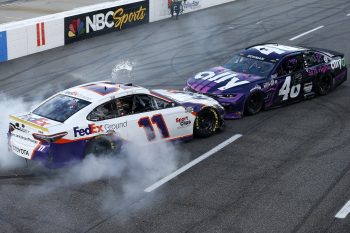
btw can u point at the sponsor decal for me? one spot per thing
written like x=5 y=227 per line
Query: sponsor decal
x=76 y=28
x=20 y=151
x=91 y=129
x=256 y=57
x=338 y=63
x=183 y=122
x=3 y=46
x=23 y=138
x=307 y=87
x=115 y=127
x=36 y=120
x=222 y=77
x=103 y=21
x=76 y=94
x=257 y=87
x=193 y=5
x=316 y=70
x=269 y=84
x=40 y=34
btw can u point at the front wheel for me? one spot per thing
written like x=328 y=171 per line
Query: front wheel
x=206 y=123
x=254 y=103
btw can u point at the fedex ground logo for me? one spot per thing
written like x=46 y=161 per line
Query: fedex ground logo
x=91 y=129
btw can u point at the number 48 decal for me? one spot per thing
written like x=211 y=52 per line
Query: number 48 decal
x=286 y=91
x=158 y=120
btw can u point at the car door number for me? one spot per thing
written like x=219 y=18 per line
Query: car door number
x=287 y=91
x=158 y=120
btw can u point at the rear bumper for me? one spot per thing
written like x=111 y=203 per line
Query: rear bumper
x=51 y=155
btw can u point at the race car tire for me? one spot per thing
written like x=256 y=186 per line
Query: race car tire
x=254 y=103
x=99 y=146
x=324 y=84
x=206 y=123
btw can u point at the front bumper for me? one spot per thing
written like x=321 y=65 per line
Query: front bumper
x=234 y=106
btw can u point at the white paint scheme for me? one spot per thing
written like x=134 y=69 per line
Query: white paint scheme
x=305 y=33
x=343 y=212
x=192 y=163
x=124 y=127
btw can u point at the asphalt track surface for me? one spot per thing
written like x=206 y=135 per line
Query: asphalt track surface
x=288 y=173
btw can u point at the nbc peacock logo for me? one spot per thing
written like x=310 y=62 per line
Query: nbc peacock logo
x=76 y=28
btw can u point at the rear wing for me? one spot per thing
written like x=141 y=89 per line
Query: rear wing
x=28 y=123
x=327 y=52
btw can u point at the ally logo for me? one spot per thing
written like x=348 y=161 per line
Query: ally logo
x=76 y=27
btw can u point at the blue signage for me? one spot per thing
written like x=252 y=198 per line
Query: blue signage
x=3 y=47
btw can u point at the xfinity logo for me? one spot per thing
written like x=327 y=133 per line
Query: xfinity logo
x=92 y=129
x=220 y=78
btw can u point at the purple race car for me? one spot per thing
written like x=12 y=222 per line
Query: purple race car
x=270 y=75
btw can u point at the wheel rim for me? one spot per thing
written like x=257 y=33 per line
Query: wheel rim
x=206 y=122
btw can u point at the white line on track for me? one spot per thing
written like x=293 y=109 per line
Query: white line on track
x=343 y=212
x=348 y=14
x=192 y=163
x=305 y=33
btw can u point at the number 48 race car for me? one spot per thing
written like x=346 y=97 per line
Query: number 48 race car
x=98 y=117
x=270 y=75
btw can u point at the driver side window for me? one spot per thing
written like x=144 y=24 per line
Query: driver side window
x=290 y=65
x=146 y=103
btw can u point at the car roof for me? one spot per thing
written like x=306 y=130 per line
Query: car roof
x=97 y=91
x=270 y=52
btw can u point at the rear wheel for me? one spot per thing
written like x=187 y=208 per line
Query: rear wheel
x=324 y=84
x=100 y=146
x=254 y=103
x=206 y=123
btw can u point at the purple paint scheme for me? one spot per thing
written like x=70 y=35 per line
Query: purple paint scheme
x=279 y=74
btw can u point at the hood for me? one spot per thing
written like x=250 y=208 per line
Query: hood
x=220 y=80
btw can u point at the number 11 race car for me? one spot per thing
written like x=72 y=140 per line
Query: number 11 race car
x=270 y=75
x=98 y=117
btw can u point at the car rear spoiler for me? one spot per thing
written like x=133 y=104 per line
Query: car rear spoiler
x=326 y=51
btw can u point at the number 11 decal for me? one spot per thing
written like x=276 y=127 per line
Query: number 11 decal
x=158 y=120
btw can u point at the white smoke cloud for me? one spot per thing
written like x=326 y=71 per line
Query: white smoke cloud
x=122 y=71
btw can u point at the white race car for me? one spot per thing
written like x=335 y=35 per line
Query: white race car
x=96 y=118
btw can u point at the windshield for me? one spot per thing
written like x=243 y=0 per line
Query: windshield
x=60 y=107
x=249 y=66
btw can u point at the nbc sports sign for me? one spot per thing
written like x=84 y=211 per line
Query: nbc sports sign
x=91 y=24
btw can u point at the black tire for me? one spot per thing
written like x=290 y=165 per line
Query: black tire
x=254 y=103
x=324 y=84
x=206 y=123
x=99 y=146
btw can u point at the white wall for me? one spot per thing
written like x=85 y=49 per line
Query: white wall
x=159 y=8
x=27 y=40
x=23 y=36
